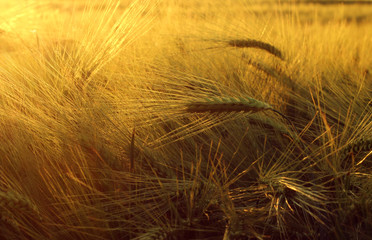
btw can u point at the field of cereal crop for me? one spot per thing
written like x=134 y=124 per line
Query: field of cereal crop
x=177 y=119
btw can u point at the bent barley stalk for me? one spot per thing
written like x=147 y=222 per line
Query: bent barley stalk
x=272 y=72
x=251 y=43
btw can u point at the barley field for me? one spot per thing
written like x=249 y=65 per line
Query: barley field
x=175 y=119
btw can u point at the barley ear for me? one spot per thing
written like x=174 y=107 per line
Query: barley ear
x=364 y=144
x=227 y=104
x=232 y=104
x=13 y=202
x=251 y=43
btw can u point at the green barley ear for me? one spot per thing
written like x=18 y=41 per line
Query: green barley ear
x=235 y=104
x=251 y=43
x=357 y=146
x=227 y=104
x=12 y=204
x=232 y=104
x=13 y=201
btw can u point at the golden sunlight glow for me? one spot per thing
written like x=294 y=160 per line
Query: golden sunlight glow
x=185 y=119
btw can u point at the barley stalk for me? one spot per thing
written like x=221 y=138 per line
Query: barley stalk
x=272 y=72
